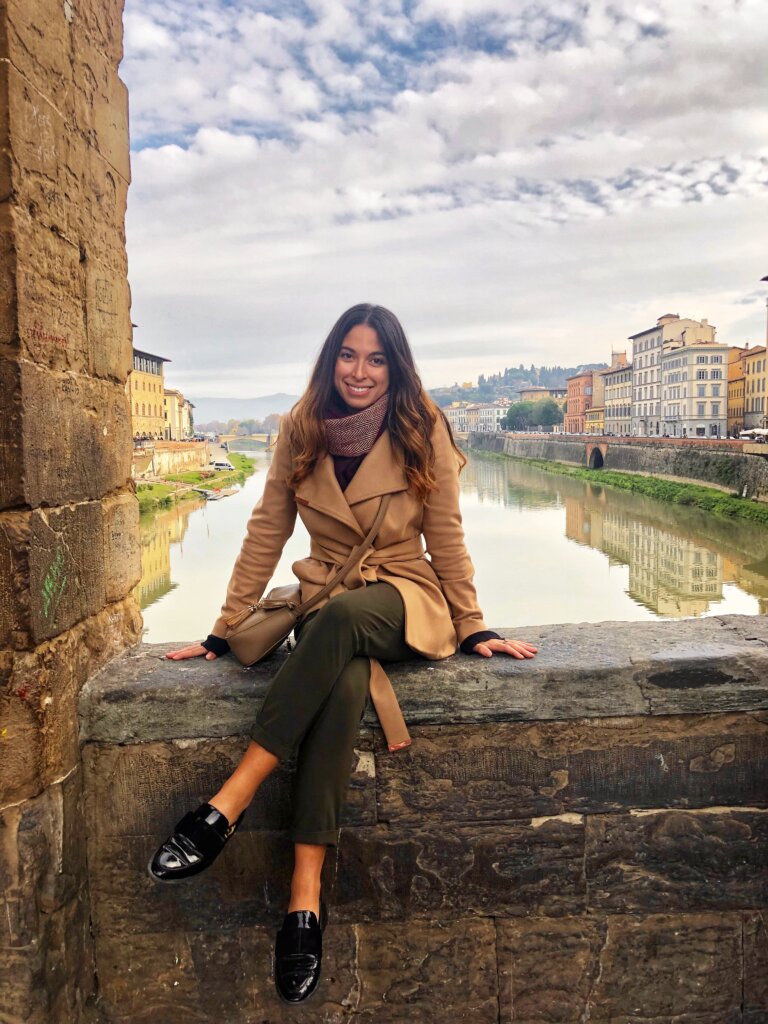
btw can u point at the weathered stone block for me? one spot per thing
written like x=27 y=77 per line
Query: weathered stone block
x=66 y=567
x=247 y=885
x=427 y=971
x=50 y=300
x=755 y=967
x=38 y=729
x=498 y=772
x=20 y=742
x=178 y=977
x=657 y=968
x=103 y=23
x=15 y=532
x=101 y=105
x=381 y=972
x=122 y=550
x=84 y=451
x=47 y=67
x=43 y=866
x=153 y=784
x=678 y=860
x=516 y=869
x=108 y=304
x=11 y=463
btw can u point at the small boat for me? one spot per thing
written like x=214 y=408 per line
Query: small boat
x=213 y=494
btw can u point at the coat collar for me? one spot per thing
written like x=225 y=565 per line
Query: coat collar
x=379 y=473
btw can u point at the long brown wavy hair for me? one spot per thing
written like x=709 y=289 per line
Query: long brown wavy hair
x=411 y=413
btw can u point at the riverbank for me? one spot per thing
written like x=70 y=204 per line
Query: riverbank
x=716 y=502
x=180 y=486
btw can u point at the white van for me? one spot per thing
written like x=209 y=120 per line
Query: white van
x=221 y=464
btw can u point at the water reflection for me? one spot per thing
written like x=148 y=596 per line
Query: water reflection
x=159 y=530
x=679 y=559
x=546 y=548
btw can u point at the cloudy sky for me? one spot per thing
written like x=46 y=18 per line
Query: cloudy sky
x=517 y=181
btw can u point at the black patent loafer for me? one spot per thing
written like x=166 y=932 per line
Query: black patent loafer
x=299 y=954
x=196 y=842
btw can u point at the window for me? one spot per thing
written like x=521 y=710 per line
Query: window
x=701 y=390
x=717 y=359
x=715 y=408
x=700 y=409
x=717 y=375
x=701 y=375
x=715 y=390
x=702 y=359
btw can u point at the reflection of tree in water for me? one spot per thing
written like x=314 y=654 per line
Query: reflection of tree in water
x=159 y=531
x=679 y=558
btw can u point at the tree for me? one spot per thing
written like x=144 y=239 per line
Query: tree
x=526 y=415
x=550 y=412
x=271 y=423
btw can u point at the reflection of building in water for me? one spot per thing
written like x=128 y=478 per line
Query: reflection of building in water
x=671 y=574
x=668 y=573
x=158 y=532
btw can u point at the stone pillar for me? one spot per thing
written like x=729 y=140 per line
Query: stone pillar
x=69 y=553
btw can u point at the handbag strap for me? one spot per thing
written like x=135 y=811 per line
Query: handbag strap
x=355 y=555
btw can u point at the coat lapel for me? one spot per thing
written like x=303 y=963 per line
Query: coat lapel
x=378 y=473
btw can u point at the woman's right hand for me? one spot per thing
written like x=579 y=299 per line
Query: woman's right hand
x=192 y=651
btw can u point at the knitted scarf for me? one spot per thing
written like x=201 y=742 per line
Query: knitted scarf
x=350 y=436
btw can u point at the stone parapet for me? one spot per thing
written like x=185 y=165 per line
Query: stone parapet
x=580 y=837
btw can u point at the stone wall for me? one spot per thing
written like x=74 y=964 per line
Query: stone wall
x=69 y=551
x=578 y=838
x=719 y=464
x=168 y=457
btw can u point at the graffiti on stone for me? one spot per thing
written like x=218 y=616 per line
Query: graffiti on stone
x=54 y=584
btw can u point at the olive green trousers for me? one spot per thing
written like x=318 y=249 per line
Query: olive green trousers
x=314 y=705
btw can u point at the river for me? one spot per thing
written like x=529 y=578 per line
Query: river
x=546 y=548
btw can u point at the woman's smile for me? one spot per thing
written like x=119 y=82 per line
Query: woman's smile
x=361 y=375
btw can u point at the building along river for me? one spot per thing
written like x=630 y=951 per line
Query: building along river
x=546 y=548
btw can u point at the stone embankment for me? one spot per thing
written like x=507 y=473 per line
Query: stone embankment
x=164 y=458
x=722 y=464
x=580 y=837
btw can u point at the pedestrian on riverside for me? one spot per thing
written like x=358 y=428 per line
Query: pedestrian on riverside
x=364 y=428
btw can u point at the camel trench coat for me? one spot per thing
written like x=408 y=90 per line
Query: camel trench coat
x=419 y=549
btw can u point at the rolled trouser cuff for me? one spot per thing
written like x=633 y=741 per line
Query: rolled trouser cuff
x=329 y=837
x=281 y=750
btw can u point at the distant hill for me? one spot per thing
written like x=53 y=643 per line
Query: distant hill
x=207 y=409
x=508 y=382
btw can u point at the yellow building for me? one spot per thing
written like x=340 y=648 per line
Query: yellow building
x=754 y=388
x=177 y=415
x=146 y=390
x=594 y=420
x=736 y=376
x=536 y=393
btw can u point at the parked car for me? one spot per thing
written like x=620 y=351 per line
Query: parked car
x=221 y=464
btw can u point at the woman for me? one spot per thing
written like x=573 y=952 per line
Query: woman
x=363 y=429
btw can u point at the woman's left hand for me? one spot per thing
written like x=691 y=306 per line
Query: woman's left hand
x=517 y=648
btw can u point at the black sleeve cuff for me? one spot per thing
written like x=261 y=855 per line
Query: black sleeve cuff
x=467 y=645
x=216 y=644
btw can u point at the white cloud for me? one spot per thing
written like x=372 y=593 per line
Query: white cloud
x=452 y=165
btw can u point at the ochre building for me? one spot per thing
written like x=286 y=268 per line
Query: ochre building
x=146 y=391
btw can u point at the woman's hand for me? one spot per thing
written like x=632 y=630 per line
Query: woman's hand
x=517 y=648
x=193 y=651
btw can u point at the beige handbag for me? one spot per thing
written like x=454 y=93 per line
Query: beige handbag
x=259 y=628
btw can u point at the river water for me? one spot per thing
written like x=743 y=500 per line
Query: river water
x=546 y=548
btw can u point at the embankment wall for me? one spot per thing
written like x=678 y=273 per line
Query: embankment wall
x=715 y=464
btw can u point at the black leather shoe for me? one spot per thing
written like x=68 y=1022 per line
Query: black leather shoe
x=299 y=954
x=196 y=842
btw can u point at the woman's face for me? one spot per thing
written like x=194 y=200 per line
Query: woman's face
x=361 y=375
